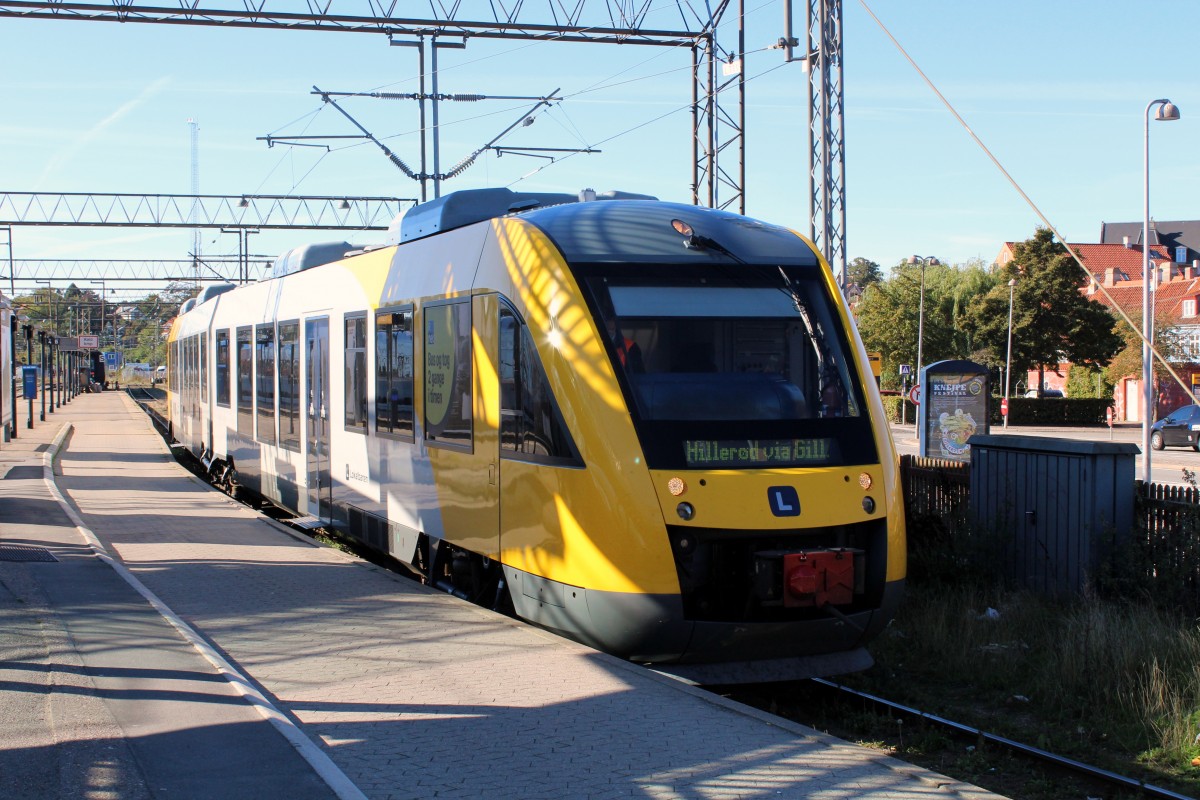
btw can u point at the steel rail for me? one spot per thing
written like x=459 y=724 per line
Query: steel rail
x=1148 y=789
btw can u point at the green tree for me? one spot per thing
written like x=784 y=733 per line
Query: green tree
x=889 y=317
x=1052 y=321
x=1167 y=342
x=863 y=272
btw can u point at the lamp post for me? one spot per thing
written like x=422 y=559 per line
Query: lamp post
x=1165 y=113
x=924 y=261
x=1008 y=358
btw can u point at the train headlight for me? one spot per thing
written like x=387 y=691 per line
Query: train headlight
x=676 y=486
x=869 y=505
x=681 y=227
x=685 y=511
x=865 y=480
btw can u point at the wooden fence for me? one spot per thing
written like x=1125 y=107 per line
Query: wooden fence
x=1164 y=552
x=1168 y=540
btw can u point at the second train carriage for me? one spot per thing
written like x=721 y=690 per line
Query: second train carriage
x=652 y=425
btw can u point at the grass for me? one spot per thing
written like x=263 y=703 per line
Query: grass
x=1111 y=683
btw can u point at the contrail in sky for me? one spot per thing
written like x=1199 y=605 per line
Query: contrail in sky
x=86 y=138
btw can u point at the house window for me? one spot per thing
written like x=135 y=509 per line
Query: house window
x=1189 y=308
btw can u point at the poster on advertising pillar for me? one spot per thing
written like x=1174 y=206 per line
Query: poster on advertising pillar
x=954 y=407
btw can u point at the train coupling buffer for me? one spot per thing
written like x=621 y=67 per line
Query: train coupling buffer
x=820 y=577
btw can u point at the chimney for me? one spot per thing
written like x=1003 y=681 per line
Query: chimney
x=1125 y=241
x=1110 y=276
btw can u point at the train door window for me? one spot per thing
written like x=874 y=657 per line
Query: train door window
x=447 y=347
x=222 y=367
x=245 y=381
x=394 y=373
x=290 y=426
x=203 y=367
x=264 y=345
x=531 y=425
x=356 y=373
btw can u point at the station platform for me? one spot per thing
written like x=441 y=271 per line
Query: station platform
x=184 y=646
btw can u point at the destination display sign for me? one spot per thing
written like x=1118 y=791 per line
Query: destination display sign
x=701 y=453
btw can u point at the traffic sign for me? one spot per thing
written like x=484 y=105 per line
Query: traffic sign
x=914 y=395
x=1004 y=406
x=1110 y=416
x=906 y=369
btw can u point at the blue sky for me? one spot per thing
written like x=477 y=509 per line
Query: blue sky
x=1057 y=90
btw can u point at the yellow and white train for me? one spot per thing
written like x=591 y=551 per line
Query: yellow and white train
x=651 y=427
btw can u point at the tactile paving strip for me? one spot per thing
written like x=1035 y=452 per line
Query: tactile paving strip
x=18 y=552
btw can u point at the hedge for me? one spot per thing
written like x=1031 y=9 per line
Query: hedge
x=1048 y=411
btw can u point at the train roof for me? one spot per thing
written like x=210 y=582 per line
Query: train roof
x=612 y=226
x=469 y=206
x=649 y=232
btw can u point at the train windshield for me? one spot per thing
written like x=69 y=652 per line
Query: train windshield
x=733 y=367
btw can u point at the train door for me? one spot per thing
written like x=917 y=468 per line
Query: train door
x=320 y=489
x=461 y=419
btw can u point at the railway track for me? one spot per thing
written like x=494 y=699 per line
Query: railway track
x=829 y=699
x=147 y=399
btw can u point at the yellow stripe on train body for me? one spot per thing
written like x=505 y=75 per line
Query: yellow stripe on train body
x=598 y=527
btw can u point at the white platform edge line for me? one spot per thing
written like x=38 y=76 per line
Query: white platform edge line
x=321 y=763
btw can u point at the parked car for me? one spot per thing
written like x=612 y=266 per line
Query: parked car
x=1045 y=393
x=1180 y=428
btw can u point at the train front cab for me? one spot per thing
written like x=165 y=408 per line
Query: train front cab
x=735 y=494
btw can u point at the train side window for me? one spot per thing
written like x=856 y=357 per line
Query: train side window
x=223 y=367
x=245 y=381
x=448 y=391
x=265 y=382
x=203 y=387
x=531 y=424
x=290 y=426
x=356 y=372
x=394 y=373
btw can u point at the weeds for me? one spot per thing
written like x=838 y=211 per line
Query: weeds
x=1112 y=682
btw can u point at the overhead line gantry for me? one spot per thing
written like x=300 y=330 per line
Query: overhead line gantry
x=718 y=74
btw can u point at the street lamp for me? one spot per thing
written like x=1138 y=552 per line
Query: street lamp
x=1008 y=358
x=1166 y=112
x=924 y=261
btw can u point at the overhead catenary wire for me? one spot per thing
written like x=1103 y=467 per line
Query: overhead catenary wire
x=602 y=85
x=1034 y=206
